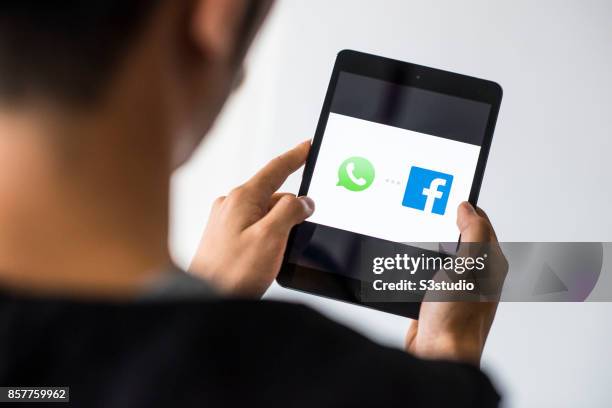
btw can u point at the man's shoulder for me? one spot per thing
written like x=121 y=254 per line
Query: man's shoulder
x=137 y=321
x=233 y=351
x=273 y=324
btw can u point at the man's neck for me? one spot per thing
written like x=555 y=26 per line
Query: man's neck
x=83 y=206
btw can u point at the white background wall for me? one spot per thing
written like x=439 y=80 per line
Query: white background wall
x=547 y=177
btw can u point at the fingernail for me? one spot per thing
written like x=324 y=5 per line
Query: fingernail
x=469 y=207
x=308 y=204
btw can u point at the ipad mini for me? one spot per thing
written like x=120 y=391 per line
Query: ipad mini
x=397 y=148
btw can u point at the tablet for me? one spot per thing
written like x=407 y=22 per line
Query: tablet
x=397 y=148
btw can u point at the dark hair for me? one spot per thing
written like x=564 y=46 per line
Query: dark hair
x=65 y=50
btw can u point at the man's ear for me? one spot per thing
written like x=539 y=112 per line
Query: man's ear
x=216 y=26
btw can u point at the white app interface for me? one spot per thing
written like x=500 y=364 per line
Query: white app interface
x=390 y=183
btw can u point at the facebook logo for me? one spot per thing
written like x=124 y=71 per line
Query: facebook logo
x=427 y=190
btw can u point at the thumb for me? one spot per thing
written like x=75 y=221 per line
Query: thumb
x=473 y=226
x=287 y=212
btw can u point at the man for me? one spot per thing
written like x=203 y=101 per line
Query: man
x=99 y=102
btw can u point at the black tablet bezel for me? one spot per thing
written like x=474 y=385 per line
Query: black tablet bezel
x=346 y=289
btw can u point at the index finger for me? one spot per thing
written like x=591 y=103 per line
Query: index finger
x=273 y=175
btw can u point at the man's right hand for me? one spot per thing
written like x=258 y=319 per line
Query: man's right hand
x=458 y=330
x=246 y=236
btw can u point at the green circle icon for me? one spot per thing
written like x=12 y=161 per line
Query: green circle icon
x=355 y=174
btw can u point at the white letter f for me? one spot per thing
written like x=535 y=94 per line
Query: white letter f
x=432 y=193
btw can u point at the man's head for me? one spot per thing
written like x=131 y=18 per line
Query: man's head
x=183 y=56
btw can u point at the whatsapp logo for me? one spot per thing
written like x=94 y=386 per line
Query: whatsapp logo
x=355 y=174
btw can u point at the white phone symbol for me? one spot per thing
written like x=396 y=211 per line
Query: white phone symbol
x=350 y=168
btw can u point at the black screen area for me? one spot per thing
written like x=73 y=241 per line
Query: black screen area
x=411 y=108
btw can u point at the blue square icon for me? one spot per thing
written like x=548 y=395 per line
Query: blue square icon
x=427 y=190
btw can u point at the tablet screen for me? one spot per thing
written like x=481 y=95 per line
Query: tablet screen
x=395 y=161
x=393 y=164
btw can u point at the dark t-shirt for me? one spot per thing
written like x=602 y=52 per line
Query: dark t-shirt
x=206 y=353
